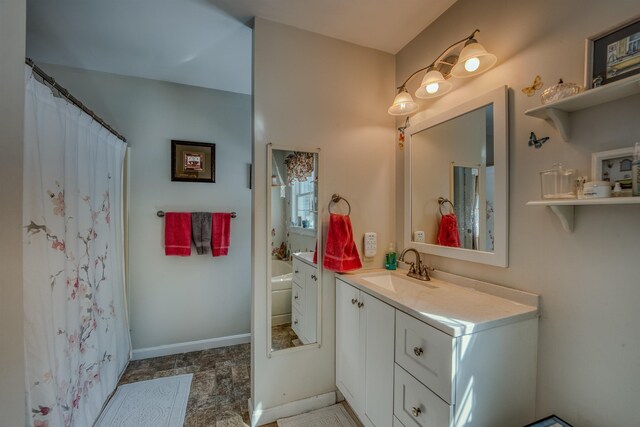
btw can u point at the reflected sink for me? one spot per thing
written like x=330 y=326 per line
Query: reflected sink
x=392 y=281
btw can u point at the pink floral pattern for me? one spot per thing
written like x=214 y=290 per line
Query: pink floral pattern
x=85 y=271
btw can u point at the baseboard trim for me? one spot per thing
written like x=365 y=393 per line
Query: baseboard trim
x=264 y=416
x=185 y=347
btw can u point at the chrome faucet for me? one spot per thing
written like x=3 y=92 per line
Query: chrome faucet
x=417 y=269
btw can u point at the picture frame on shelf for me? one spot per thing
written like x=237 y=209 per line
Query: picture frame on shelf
x=613 y=166
x=613 y=54
x=193 y=161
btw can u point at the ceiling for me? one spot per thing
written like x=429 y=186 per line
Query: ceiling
x=205 y=42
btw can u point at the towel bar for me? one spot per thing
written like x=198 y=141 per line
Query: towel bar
x=160 y=214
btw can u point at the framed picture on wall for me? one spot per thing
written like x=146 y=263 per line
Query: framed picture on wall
x=613 y=166
x=613 y=55
x=193 y=161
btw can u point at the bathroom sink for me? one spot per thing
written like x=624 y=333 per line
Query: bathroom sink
x=393 y=281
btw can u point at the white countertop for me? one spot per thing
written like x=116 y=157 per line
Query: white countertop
x=466 y=307
x=306 y=257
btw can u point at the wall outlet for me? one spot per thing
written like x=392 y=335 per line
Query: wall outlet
x=418 y=236
x=370 y=244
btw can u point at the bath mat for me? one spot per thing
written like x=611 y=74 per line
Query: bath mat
x=331 y=416
x=160 y=402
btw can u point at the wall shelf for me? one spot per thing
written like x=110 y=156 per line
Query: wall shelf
x=565 y=208
x=559 y=112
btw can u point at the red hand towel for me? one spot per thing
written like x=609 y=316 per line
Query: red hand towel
x=341 y=253
x=177 y=233
x=220 y=230
x=315 y=253
x=448 y=234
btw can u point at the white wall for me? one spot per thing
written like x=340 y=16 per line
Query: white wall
x=589 y=348
x=12 y=46
x=300 y=82
x=178 y=299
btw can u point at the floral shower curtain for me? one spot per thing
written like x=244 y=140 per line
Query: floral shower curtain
x=76 y=330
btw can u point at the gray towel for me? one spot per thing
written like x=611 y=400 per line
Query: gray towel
x=201 y=231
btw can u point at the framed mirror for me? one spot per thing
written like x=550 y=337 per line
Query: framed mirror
x=293 y=276
x=456 y=182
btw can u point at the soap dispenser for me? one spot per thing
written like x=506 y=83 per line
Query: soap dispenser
x=391 y=258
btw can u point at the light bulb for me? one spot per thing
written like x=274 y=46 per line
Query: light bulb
x=472 y=64
x=432 y=88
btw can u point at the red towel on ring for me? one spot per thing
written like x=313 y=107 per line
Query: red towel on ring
x=220 y=233
x=341 y=253
x=177 y=233
x=448 y=234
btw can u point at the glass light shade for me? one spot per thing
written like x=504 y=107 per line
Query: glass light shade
x=433 y=85
x=473 y=60
x=403 y=104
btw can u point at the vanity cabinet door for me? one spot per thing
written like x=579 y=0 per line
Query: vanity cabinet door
x=311 y=303
x=365 y=328
x=348 y=354
x=379 y=321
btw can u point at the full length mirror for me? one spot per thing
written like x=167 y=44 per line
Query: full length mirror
x=456 y=182
x=294 y=278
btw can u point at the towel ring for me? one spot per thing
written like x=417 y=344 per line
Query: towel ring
x=442 y=201
x=335 y=199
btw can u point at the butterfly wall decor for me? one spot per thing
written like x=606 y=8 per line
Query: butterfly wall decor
x=531 y=90
x=534 y=141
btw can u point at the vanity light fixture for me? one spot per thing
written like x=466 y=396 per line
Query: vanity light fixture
x=472 y=60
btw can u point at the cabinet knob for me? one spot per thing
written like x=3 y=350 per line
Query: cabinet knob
x=418 y=351
x=296 y=297
x=297 y=271
x=360 y=304
x=416 y=412
x=354 y=301
x=314 y=277
x=295 y=322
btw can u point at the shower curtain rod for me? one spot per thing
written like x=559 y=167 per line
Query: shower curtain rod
x=64 y=92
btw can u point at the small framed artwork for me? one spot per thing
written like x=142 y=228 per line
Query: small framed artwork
x=193 y=161
x=613 y=55
x=613 y=166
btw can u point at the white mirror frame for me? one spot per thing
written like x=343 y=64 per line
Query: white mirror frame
x=317 y=344
x=500 y=256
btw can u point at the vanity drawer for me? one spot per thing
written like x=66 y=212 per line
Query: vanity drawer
x=299 y=269
x=416 y=405
x=426 y=353
x=297 y=296
x=297 y=322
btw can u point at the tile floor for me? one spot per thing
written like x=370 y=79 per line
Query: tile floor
x=220 y=387
x=282 y=336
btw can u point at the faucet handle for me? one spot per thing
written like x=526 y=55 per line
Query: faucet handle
x=412 y=267
x=424 y=271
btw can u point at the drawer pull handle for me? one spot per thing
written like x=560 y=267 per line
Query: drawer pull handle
x=360 y=304
x=416 y=412
x=418 y=351
x=353 y=301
